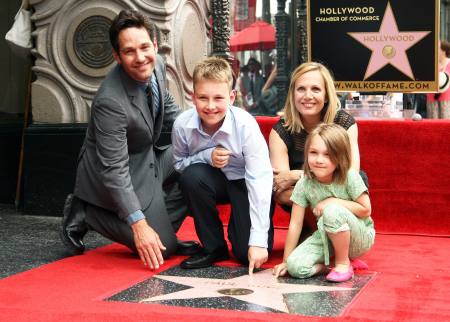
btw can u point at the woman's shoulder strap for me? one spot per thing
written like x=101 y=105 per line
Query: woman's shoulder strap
x=283 y=132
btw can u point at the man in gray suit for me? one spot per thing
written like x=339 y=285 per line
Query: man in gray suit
x=126 y=186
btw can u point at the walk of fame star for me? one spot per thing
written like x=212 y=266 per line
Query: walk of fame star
x=389 y=45
x=232 y=288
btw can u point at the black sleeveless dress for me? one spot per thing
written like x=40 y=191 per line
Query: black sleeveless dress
x=295 y=142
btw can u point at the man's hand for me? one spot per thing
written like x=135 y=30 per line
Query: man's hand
x=148 y=244
x=256 y=257
x=280 y=269
x=220 y=157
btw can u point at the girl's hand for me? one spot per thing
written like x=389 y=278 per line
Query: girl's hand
x=318 y=210
x=280 y=269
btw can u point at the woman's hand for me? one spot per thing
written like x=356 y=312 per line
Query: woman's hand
x=283 y=180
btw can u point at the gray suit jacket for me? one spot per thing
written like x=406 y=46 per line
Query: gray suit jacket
x=116 y=166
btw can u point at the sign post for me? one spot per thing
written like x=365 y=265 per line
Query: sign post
x=376 y=45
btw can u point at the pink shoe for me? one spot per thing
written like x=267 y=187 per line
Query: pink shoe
x=358 y=264
x=335 y=276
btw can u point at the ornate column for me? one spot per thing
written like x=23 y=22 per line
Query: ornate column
x=221 y=28
x=266 y=11
x=445 y=19
x=73 y=53
x=302 y=35
x=267 y=17
x=282 y=34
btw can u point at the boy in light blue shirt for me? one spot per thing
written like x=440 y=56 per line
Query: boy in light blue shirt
x=223 y=158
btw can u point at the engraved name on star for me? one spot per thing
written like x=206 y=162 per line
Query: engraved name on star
x=389 y=45
x=262 y=288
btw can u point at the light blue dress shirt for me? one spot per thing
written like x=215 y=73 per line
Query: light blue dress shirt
x=240 y=134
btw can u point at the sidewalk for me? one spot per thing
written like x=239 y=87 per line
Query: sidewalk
x=30 y=241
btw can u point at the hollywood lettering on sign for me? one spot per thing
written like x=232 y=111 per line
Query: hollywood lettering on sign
x=376 y=45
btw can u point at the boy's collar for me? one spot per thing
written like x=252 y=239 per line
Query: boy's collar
x=227 y=124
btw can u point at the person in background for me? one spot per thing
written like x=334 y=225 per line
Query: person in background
x=341 y=204
x=270 y=80
x=417 y=102
x=251 y=85
x=269 y=98
x=125 y=187
x=235 y=66
x=438 y=104
x=311 y=100
x=223 y=158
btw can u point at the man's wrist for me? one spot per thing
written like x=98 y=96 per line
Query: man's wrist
x=135 y=217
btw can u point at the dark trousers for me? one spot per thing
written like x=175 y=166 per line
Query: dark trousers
x=204 y=186
x=165 y=213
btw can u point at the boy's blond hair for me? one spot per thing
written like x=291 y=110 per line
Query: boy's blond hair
x=213 y=69
x=338 y=145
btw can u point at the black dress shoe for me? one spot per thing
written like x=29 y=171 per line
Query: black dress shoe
x=73 y=242
x=188 y=247
x=74 y=226
x=204 y=259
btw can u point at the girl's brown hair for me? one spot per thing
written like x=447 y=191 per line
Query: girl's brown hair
x=339 y=150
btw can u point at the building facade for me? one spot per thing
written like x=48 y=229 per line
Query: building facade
x=46 y=99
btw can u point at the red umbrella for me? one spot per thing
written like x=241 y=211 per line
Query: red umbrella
x=260 y=35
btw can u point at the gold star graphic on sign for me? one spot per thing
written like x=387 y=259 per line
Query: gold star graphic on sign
x=389 y=45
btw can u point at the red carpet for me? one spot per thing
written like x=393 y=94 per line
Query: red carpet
x=411 y=285
x=408 y=167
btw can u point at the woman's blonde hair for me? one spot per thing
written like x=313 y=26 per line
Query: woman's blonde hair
x=291 y=116
x=214 y=69
x=339 y=150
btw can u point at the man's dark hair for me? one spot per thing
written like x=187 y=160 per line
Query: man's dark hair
x=129 y=18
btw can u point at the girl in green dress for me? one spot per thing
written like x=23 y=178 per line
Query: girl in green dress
x=341 y=204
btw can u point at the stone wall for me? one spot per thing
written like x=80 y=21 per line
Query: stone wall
x=73 y=53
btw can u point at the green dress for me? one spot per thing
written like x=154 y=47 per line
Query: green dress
x=317 y=249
